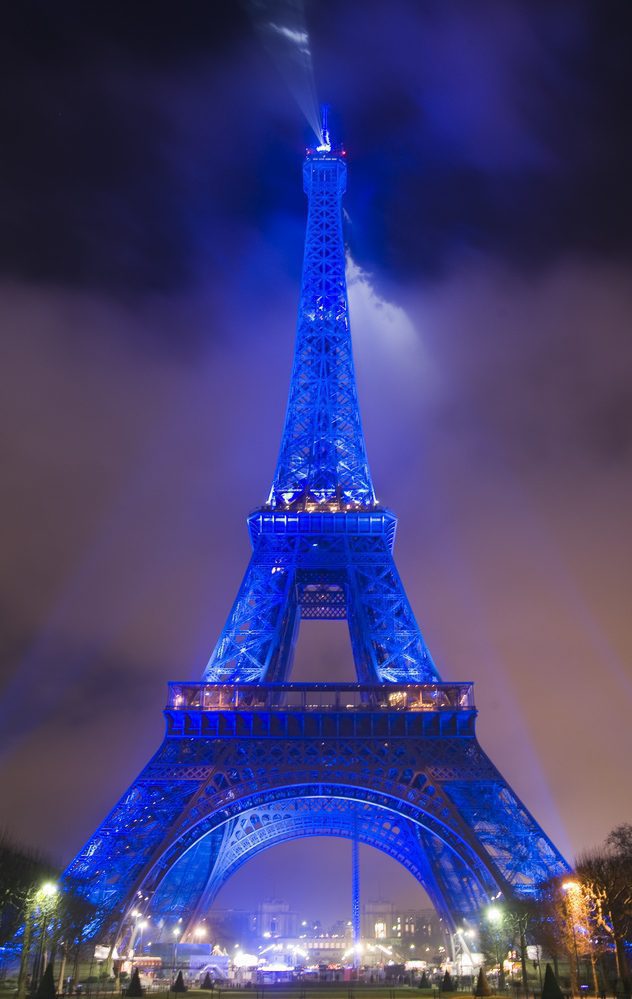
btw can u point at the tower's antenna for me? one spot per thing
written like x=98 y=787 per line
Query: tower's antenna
x=325 y=143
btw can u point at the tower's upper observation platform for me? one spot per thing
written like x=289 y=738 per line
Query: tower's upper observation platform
x=322 y=461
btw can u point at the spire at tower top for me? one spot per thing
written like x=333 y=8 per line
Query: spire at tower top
x=325 y=148
x=325 y=142
x=322 y=462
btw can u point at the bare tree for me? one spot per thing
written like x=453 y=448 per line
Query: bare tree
x=21 y=870
x=606 y=873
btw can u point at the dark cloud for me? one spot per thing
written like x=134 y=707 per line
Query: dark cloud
x=120 y=126
x=494 y=127
x=137 y=144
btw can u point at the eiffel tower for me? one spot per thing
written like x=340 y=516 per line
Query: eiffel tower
x=251 y=759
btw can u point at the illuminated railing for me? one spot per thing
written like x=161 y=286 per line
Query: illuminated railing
x=320 y=697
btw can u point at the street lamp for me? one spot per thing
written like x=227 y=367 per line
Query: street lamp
x=142 y=924
x=136 y=933
x=571 y=890
x=495 y=917
x=46 y=898
x=461 y=948
x=176 y=933
x=41 y=902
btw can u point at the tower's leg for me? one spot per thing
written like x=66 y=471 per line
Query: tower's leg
x=257 y=642
x=386 y=640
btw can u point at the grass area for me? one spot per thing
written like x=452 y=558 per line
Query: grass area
x=315 y=990
x=292 y=990
x=311 y=990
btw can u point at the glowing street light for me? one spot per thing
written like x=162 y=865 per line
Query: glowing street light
x=42 y=903
x=177 y=930
x=495 y=917
x=141 y=925
x=572 y=890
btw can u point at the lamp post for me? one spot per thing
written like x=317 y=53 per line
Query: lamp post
x=142 y=924
x=176 y=934
x=570 y=889
x=139 y=924
x=40 y=902
x=45 y=898
x=461 y=947
x=495 y=918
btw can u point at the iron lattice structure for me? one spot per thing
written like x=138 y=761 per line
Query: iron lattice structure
x=251 y=759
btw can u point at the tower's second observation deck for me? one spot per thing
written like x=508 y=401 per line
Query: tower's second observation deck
x=320 y=696
x=319 y=710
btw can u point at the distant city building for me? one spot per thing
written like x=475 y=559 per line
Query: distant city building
x=273 y=918
x=390 y=934
x=386 y=923
x=342 y=928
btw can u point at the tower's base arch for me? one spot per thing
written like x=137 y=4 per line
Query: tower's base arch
x=189 y=885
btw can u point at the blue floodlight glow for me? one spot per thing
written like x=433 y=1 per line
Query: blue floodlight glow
x=325 y=142
x=251 y=759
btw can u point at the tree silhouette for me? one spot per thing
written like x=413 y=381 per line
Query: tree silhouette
x=21 y=872
x=46 y=988
x=447 y=985
x=605 y=875
x=482 y=985
x=550 y=988
x=134 y=988
x=178 y=985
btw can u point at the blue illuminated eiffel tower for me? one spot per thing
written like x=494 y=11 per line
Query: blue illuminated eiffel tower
x=251 y=759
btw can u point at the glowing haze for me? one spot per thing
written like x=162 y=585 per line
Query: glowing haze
x=150 y=258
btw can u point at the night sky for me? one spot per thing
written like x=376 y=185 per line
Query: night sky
x=151 y=230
